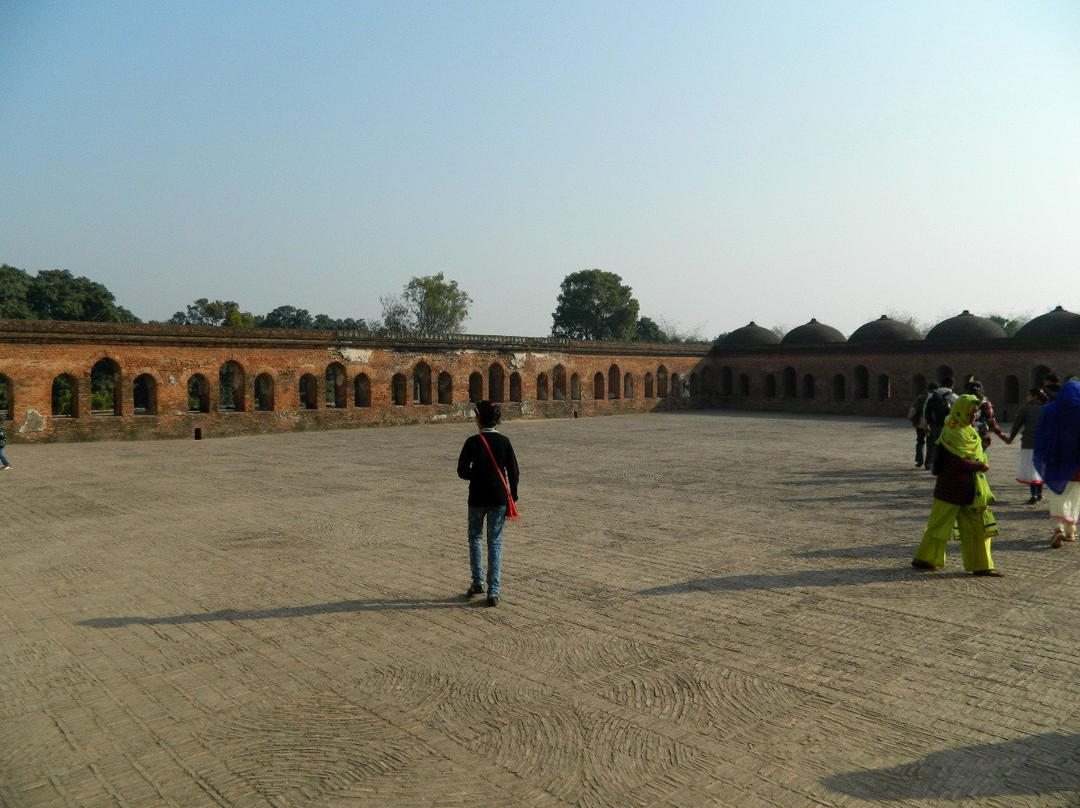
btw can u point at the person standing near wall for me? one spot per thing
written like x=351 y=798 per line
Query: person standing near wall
x=939 y=402
x=1057 y=459
x=917 y=416
x=962 y=497
x=1024 y=425
x=488 y=462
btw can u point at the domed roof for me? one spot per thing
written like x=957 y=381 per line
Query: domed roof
x=884 y=330
x=1057 y=323
x=750 y=334
x=812 y=333
x=965 y=326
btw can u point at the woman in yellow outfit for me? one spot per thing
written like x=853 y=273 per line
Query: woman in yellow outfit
x=962 y=497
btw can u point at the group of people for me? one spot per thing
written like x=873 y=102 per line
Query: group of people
x=955 y=431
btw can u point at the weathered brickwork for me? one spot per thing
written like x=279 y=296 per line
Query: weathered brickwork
x=165 y=381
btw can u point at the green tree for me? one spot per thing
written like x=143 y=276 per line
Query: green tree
x=595 y=304
x=56 y=294
x=286 y=317
x=217 y=312
x=648 y=330
x=1011 y=324
x=428 y=305
x=14 y=293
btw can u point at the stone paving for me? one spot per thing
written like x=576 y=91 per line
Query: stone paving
x=704 y=609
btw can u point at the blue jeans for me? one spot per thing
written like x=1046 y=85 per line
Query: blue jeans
x=3 y=460
x=496 y=518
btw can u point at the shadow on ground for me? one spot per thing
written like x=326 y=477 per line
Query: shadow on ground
x=343 y=606
x=1038 y=764
x=834 y=577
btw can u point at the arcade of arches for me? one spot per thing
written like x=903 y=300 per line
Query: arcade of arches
x=77 y=381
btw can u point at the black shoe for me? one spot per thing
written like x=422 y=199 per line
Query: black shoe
x=918 y=464
x=988 y=574
x=919 y=564
x=493 y=600
x=475 y=589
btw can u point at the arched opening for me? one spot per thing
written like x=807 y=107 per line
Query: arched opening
x=884 y=388
x=7 y=398
x=515 y=386
x=264 y=393
x=708 y=381
x=575 y=387
x=839 y=387
x=231 y=391
x=1038 y=373
x=105 y=388
x=421 y=383
x=770 y=386
x=476 y=387
x=198 y=393
x=614 y=377
x=676 y=386
x=695 y=385
x=446 y=388
x=628 y=385
x=661 y=382
x=362 y=390
x=336 y=387
x=496 y=382
x=65 y=396
x=541 y=387
x=558 y=384
x=918 y=385
x=399 y=390
x=598 y=386
x=649 y=384
x=788 y=383
x=144 y=394
x=862 y=383
x=808 y=386
x=1012 y=390
x=744 y=385
x=309 y=392
x=726 y=383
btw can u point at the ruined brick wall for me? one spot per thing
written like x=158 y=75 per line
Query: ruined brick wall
x=298 y=380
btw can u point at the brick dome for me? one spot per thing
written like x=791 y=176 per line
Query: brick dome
x=812 y=333
x=884 y=330
x=965 y=326
x=750 y=334
x=1057 y=323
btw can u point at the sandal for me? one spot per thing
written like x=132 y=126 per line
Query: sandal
x=1058 y=540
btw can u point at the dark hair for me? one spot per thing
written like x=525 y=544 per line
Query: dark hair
x=489 y=413
x=931 y=387
x=1052 y=378
x=947 y=381
x=974 y=388
x=1038 y=392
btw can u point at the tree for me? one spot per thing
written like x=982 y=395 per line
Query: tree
x=594 y=304
x=218 y=312
x=1011 y=324
x=648 y=331
x=286 y=317
x=428 y=305
x=14 y=291
x=56 y=294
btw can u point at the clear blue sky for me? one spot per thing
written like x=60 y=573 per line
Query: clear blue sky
x=733 y=161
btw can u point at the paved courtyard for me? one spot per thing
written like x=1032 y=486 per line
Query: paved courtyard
x=704 y=609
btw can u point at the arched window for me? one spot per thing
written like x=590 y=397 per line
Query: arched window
x=65 y=396
x=839 y=388
x=144 y=394
x=421 y=383
x=399 y=390
x=362 y=390
x=575 y=387
x=598 y=386
x=1012 y=390
x=808 y=386
x=628 y=385
x=559 y=383
x=496 y=382
x=476 y=387
x=198 y=393
x=541 y=387
x=336 y=386
x=264 y=392
x=695 y=385
x=648 y=385
x=884 y=388
x=446 y=388
x=309 y=392
x=789 y=382
x=7 y=398
x=676 y=386
x=661 y=382
x=515 y=386
x=105 y=388
x=708 y=381
x=231 y=392
x=862 y=383
x=726 y=384
x=744 y=385
x=770 y=386
x=614 y=377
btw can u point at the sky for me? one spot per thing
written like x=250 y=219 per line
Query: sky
x=731 y=160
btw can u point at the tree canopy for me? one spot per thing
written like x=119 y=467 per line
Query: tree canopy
x=595 y=304
x=427 y=305
x=56 y=294
x=217 y=312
